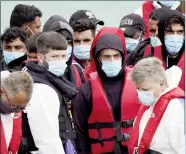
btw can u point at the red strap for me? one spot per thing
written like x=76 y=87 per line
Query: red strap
x=3 y=149
x=154 y=121
x=17 y=133
x=147 y=8
x=77 y=76
x=133 y=141
x=147 y=51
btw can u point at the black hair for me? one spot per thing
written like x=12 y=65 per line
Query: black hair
x=24 y=14
x=31 y=43
x=83 y=25
x=13 y=33
x=175 y=20
x=50 y=40
x=157 y=14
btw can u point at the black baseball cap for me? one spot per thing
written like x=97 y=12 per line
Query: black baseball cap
x=131 y=23
x=85 y=14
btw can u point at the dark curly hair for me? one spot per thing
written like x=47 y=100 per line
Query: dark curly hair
x=24 y=14
x=83 y=25
x=13 y=33
x=31 y=43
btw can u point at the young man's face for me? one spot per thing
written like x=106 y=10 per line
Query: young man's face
x=83 y=38
x=174 y=29
x=110 y=55
x=153 y=27
x=53 y=55
x=14 y=46
x=31 y=55
x=32 y=27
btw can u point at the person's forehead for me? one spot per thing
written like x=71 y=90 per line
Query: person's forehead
x=21 y=98
x=146 y=83
x=153 y=22
x=56 y=52
x=83 y=35
x=175 y=27
x=109 y=52
x=37 y=20
x=14 y=42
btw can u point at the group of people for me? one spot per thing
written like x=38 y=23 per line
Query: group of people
x=77 y=89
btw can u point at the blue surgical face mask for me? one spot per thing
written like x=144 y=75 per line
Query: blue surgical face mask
x=131 y=44
x=57 y=67
x=112 y=68
x=174 y=43
x=82 y=52
x=69 y=52
x=155 y=41
x=167 y=3
x=10 y=56
x=147 y=97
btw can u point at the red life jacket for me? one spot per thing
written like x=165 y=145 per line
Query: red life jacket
x=104 y=132
x=152 y=123
x=147 y=8
x=87 y=72
x=77 y=76
x=158 y=53
x=16 y=136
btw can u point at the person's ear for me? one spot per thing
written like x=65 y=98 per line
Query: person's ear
x=40 y=58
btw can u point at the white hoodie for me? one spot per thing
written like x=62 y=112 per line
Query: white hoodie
x=169 y=137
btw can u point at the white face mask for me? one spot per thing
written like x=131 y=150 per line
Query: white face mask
x=57 y=67
x=69 y=52
x=147 y=97
x=131 y=44
x=155 y=41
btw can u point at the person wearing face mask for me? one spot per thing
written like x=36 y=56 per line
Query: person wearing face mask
x=171 y=32
x=107 y=101
x=148 y=6
x=84 y=24
x=159 y=125
x=26 y=17
x=14 y=49
x=49 y=128
x=16 y=91
x=133 y=28
x=150 y=42
x=73 y=73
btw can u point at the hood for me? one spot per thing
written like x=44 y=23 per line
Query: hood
x=107 y=37
x=167 y=15
x=52 y=20
x=173 y=78
x=57 y=23
x=67 y=89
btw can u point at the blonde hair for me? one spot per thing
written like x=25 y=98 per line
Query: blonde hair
x=150 y=67
x=16 y=82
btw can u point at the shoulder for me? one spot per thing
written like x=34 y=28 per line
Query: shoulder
x=43 y=92
x=177 y=103
x=43 y=88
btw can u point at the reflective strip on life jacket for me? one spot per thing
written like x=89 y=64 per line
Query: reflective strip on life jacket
x=105 y=133
x=16 y=136
x=152 y=123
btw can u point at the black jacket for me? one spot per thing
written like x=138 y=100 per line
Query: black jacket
x=57 y=23
x=82 y=107
x=66 y=92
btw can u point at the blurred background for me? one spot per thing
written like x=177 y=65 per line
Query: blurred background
x=111 y=12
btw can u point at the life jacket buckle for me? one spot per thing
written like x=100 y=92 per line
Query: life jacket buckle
x=135 y=150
